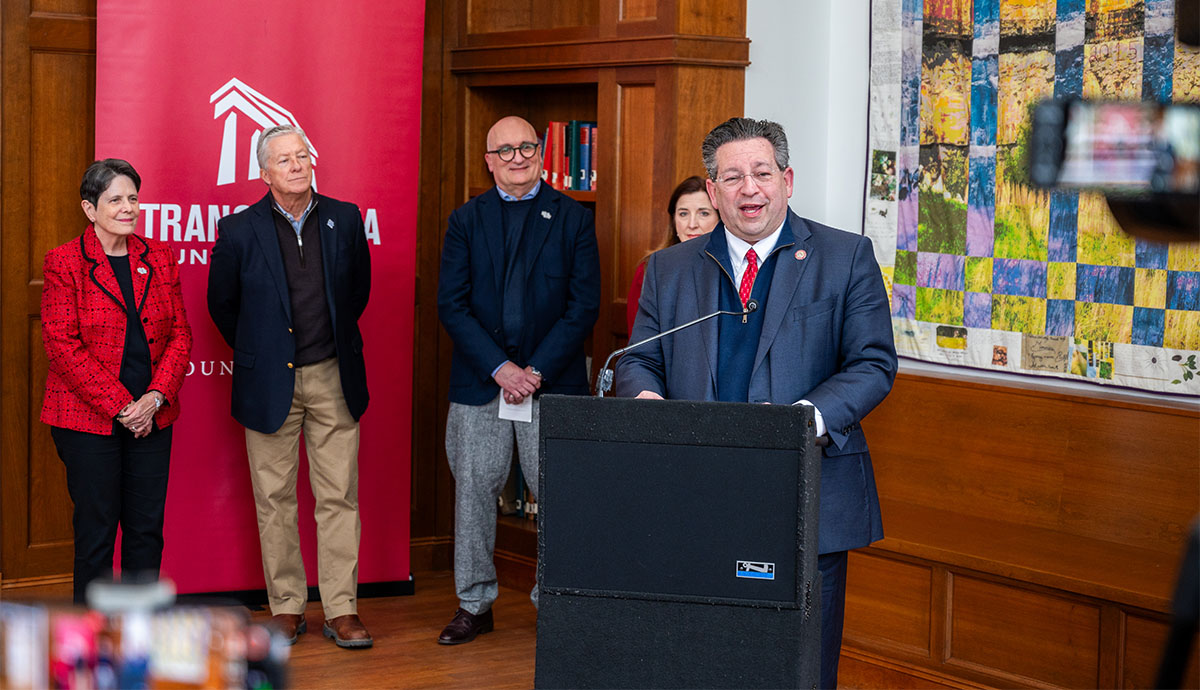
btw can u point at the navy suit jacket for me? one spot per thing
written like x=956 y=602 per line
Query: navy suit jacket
x=561 y=296
x=249 y=302
x=826 y=338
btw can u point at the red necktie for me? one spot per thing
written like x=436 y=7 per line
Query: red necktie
x=748 y=276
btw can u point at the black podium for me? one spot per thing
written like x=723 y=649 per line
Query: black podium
x=677 y=545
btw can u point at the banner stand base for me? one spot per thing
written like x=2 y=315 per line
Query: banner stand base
x=256 y=599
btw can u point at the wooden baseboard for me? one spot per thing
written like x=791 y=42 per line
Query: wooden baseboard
x=861 y=669
x=515 y=570
x=42 y=588
x=428 y=554
x=40 y=581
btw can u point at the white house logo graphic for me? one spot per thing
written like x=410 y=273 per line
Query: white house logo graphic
x=236 y=98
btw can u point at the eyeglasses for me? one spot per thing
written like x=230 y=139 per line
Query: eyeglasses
x=507 y=153
x=762 y=178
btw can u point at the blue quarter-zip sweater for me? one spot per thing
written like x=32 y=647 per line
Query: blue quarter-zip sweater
x=737 y=342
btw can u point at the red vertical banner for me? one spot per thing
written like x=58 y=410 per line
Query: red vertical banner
x=183 y=90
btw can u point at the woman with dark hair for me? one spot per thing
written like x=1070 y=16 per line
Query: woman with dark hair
x=117 y=343
x=691 y=215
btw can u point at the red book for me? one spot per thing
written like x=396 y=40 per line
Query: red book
x=560 y=154
x=548 y=155
x=551 y=152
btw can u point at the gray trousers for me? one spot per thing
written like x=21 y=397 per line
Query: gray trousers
x=479 y=448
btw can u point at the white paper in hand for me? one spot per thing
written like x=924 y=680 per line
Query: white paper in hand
x=522 y=412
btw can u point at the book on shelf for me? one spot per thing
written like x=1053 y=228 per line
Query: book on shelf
x=569 y=154
x=559 y=164
x=516 y=499
x=586 y=170
x=570 y=133
x=585 y=155
x=595 y=154
x=548 y=153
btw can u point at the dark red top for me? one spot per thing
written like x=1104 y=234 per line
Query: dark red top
x=635 y=293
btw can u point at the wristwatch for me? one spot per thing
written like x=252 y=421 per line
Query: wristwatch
x=536 y=373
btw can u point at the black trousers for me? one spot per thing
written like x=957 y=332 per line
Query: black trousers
x=115 y=480
x=833 y=612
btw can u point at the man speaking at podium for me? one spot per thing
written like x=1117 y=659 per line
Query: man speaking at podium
x=819 y=333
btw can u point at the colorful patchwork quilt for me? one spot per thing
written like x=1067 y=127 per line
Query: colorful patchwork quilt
x=984 y=270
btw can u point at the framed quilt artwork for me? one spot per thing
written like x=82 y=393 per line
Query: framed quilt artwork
x=984 y=270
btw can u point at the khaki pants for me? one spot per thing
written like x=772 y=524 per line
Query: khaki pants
x=331 y=440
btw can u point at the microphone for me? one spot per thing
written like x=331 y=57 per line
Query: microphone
x=604 y=379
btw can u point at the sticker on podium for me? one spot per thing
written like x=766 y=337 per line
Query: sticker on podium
x=756 y=570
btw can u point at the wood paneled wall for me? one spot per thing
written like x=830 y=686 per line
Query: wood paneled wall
x=1032 y=539
x=432 y=504
x=47 y=69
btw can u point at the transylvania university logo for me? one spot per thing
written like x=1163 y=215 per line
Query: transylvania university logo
x=236 y=99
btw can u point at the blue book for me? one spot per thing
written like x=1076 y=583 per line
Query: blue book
x=585 y=156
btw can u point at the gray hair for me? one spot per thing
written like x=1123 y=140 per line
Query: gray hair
x=100 y=174
x=741 y=129
x=274 y=132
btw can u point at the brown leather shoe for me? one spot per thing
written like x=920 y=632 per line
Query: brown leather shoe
x=348 y=632
x=466 y=626
x=290 y=625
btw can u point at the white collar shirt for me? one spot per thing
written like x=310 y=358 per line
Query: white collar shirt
x=529 y=195
x=738 y=248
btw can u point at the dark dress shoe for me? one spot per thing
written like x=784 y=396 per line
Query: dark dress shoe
x=466 y=626
x=290 y=625
x=348 y=632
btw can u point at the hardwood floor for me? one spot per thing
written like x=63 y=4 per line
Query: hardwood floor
x=406 y=653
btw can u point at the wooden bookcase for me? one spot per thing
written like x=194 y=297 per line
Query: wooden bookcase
x=655 y=75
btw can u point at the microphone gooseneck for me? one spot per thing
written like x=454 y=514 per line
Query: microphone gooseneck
x=604 y=379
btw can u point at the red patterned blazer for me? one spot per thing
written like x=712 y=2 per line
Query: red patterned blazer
x=83 y=329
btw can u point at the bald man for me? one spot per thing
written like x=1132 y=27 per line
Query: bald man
x=519 y=291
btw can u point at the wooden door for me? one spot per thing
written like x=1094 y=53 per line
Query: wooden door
x=48 y=74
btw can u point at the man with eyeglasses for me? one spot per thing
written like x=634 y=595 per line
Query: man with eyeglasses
x=289 y=279
x=518 y=292
x=821 y=334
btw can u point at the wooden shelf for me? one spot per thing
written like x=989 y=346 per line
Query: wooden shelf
x=538 y=103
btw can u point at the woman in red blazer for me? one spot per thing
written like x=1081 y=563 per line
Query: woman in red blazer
x=117 y=341
x=692 y=215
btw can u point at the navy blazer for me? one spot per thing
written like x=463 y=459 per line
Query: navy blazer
x=249 y=302
x=826 y=338
x=562 y=294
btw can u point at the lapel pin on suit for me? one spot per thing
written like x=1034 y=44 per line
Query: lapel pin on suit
x=329 y=223
x=546 y=215
x=801 y=255
x=142 y=270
